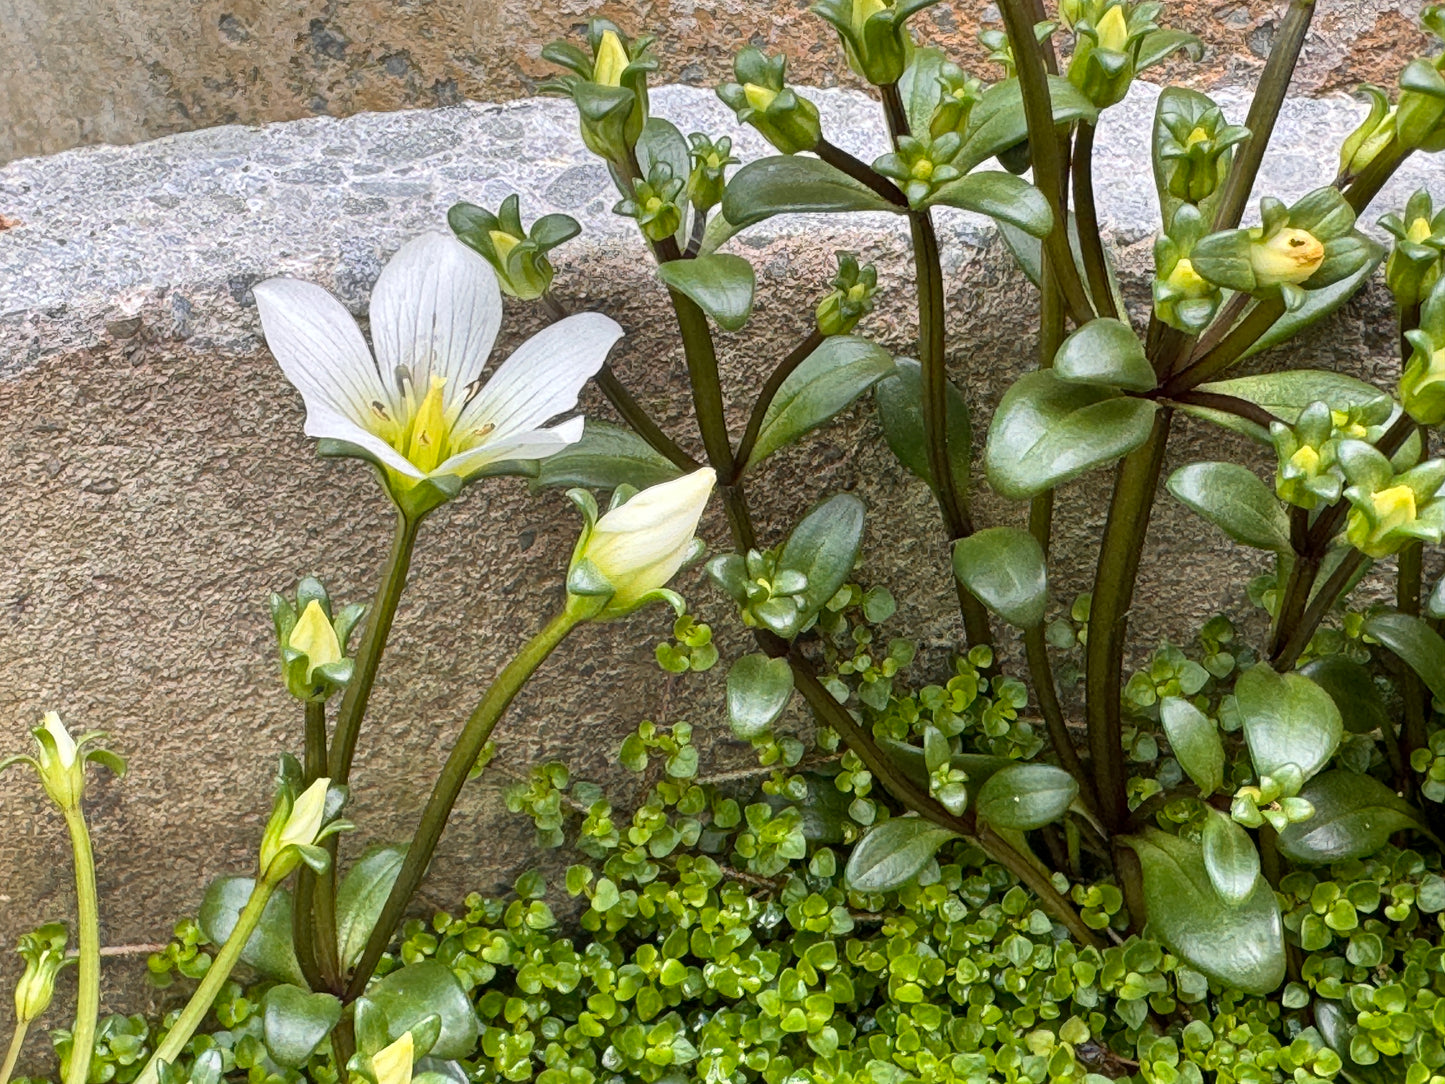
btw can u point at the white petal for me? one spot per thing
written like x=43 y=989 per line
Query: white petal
x=324 y=423
x=651 y=531
x=65 y=747
x=534 y=444
x=320 y=349
x=543 y=377
x=435 y=310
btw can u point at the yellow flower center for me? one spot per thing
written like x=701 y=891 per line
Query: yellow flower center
x=922 y=169
x=314 y=637
x=1419 y=230
x=1113 y=30
x=424 y=432
x=1290 y=256
x=1306 y=459
x=1199 y=135
x=760 y=98
x=611 y=60
x=1394 y=507
x=1348 y=428
x=1187 y=280
x=857 y=293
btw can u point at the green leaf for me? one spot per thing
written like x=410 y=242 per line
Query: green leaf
x=893 y=853
x=920 y=88
x=1105 y=352
x=409 y=995
x=1229 y=858
x=824 y=547
x=1004 y=567
x=1317 y=305
x=1047 y=431
x=361 y=897
x=977 y=767
x=606 y=457
x=758 y=689
x=1288 y=719
x=721 y=284
x=1285 y=395
x=269 y=950
x=1026 y=796
x=900 y=412
x=1240 y=946
x=1195 y=742
x=826 y=383
x=1355 y=815
x=1235 y=500
x=296 y=1022
x=718 y=232
x=792 y=184
x=1001 y=196
x=997 y=121
x=1353 y=690
x=1420 y=646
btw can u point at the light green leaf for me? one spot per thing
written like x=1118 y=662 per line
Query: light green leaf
x=824 y=547
x=1317 y=305
x=893 y=853
x=718 y=232
x=1001 y=196
x=1240 y=947
x=997 y=121
x=793 y=184
x=295 y=1022
x=900 y=412
x=1195 y=742
x=361 y=897
x=1026 y=796
x=758 y=689
x=1105 y=352
x=826 y=383
x=1353 y=690
x=920 y=88
x=1288 y=719
x=1004 y=567
x=410 y=994
x=1415 y=642
x=1355 y=815
x=1047 y=431
x=721 y=284
x=606 y=457
x=1235 y=500
x=269 y=950
x=1229 y=858
x=1284 y=394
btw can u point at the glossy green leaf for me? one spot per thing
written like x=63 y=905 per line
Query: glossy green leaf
x=1285 y=394
x=825 y=384
x=1353 y=690
x=1235 y=500
x=606 y=457
x=295 y=1022
x=920 y=87
x=361 y=897
x=900 y=412
x=410 y=994
x=1001 y=196
x=1317 y=305
x=1047 y=431
x=1288 y=719
x=1420 y=646
x=758 y=689
x=793 y=184
x=824 y=547
x=977 y=767
x=1230 y=858
x=1239 y=946
x=721 y=284
x=1105 y=352
x=662 y=142
x=893 y=853
x=718 y=232
x=269 y=950
x=1195 y=742
x=1026 y=796
x=1355 y=815
x=997 y=121
x=1004 y=567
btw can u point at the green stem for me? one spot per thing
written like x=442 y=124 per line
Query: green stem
x=12 y=1054
x=216 y=975
x=861 y=172
x=1229 y=350
x=448 y=787
x=1364 y=188
x=1263 y=112
x=1120 y=552
x=318 y=966
x=1325 y=598
x=796 y=357
x=1407 y=600
x=1041 y=672
x=1091 y=244
x=87 y=998
x=373 y=644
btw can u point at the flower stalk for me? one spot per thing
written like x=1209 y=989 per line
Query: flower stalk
x=87 y=1001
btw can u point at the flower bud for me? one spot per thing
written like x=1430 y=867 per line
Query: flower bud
x=707 y=180
x=959 y=93
x=851 y=297
x=60 y=760
x=43 y=951
x=1422 y=383
x=1289 y=256
x=298 y=824
x=517 y=256
x=874 y=33
x=654 y=203
x=1372 y=136
x=762 y=98
x=767 y=596
x=1420 y=115
x=1183 y=299
x=1308 y=472
x=628 y=555
x=313 y=644
x=1418 y=257
x=1107 y=36
x=1194 y=146
x=1390 y=509
x=393 y=1064
x=921 y=167
x=609 y=87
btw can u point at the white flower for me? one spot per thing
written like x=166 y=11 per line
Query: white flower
x=294 y=827
x=638 y=546
x=65 y=747
x=418 y=409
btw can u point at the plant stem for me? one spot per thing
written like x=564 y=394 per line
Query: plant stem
x=12 y=1053
x=861 y=172
x=796 y=357
x=87 y=998
x=1407 y=600
x=1229 y=350
x=373 y=644
x=1041 y=672
x=1324 y=599
x=1120 y=551
x=1091 y=244
x=1264 y=111
x=1373 y=177
x=453 y=777
x=220 y=970
x=1229 y=404
x=315 y=722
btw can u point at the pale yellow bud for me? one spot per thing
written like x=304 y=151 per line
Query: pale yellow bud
x=1290 y=256
x=393 y=1064
x=760 y=98
x=1419 y=230
x=1113 y=29
x=1394 y=507
x=611 y=61
x=314 y=637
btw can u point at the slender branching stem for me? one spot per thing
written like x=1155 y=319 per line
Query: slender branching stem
x=861 y=172
x=1229 y=404
x=796 y=357
x=1412 y=691
x=87 y=908
x=1229 y=349
x=1091 y=241
x=12 y=1053
x=1324 y=599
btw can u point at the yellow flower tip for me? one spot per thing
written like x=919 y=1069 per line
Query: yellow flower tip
x=1186 y=279
x=760 y=98
x=1290 y=256
x=863 y=10
x=503 y=242
x=314 y=636
x=1394 y=507
x=922 y=169
x=1419 y=230
x=1306 y=459
x=1199 y=135
x=306 y=816
x=429 y=429
x=611 y=61
x=393 y=1064
x=1113 y=30
x=65 y=747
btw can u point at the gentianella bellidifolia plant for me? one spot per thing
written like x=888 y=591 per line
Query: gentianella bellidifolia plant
x=1185 y=868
